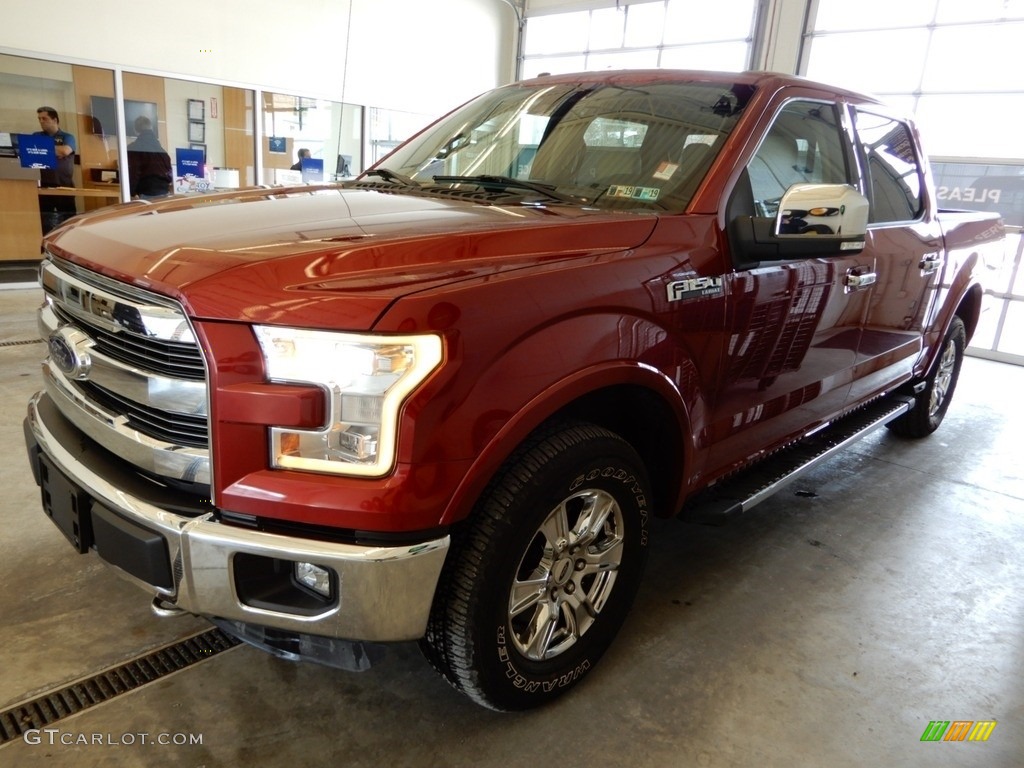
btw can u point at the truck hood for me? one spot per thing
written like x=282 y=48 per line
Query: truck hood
x=327 y=256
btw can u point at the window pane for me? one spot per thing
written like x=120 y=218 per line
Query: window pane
x=803 y=145
x=728 y=57
x=609 y=132
x=892 y=167
x=979 y=10
x=872 y=14
x=644 y=24
x=624 y=60
x=324 y=131
x=973 y=58
x=840 y=60
x=972 y=125
x=77 y=152
x=689 y=22
x=606 y=29
x=556 y=65
x=561 y=32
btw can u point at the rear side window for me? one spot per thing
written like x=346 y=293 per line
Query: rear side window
x=893 y=168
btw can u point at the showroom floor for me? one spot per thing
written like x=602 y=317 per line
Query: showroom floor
x=828 y=626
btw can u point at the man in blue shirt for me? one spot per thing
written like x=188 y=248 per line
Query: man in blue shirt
x=56 y=209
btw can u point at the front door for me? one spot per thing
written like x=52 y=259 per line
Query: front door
x=794 y=326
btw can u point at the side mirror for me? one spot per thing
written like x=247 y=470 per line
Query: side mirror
x=810 y=210
x=813 y=220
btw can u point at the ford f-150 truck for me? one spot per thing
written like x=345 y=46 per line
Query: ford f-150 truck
x=441 y=402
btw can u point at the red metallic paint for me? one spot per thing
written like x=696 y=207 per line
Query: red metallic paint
x=537 y=306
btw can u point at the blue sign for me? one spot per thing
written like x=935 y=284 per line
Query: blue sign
x=190 y=162
x=278 y=144
x=312 y=170
x=37 y=151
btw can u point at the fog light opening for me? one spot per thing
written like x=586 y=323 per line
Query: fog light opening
x=314 y=577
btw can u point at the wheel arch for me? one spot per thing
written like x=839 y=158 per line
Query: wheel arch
x=638 y=403
x=969 y=310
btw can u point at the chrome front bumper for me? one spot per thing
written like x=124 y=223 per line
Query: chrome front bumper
x=382 y=594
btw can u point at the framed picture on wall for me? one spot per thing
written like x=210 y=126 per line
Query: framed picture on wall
x=196 y=109
x=200 y=147
x=196 y=131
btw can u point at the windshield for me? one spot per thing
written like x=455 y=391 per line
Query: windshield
x=593 y=144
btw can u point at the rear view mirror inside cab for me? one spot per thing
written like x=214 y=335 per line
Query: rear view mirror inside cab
x=812 y=220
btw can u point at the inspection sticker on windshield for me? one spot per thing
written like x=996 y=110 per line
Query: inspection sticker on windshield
x=634 y=193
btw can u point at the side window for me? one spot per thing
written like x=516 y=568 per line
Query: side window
x=893 y=168
x=804 y=144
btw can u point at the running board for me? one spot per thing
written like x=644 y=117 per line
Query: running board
x=746 y=490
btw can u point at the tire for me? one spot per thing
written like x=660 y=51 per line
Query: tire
x=931 y=404
x=533 y=592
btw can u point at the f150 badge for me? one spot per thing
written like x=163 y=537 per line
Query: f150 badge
x=694 y=287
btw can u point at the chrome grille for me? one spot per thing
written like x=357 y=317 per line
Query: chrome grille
x=128 y=371
x=177 y=428
x=175 y=359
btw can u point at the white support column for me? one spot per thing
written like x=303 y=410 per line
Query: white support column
x=780 y=35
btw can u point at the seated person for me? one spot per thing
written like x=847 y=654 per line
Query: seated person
x=303 y=154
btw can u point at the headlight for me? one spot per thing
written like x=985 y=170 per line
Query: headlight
x=365 y=380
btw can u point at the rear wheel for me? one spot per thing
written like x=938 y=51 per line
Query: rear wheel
x=540 y=582
x=932 y=402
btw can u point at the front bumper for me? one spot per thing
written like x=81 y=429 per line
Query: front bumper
x=195 y=564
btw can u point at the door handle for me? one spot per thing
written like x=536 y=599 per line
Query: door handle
x=856 y=280
x=930 y=263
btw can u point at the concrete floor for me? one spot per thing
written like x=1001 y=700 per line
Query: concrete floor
x=825 y=628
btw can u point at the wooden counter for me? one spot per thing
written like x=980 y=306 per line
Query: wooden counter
x=20 y=229
x=114 y=193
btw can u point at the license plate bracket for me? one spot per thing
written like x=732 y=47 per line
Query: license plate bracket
x=67 y=505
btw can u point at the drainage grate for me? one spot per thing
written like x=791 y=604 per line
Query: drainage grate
x=20 y=342
x=47 y=709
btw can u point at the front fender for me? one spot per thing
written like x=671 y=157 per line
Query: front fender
x=543 y=375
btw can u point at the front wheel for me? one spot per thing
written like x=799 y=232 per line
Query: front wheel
x=931 y=403
x=544 y=575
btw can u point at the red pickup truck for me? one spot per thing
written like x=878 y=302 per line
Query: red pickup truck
x=440 y=402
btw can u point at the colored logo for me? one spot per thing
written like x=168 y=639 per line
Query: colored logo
x=958 y=730
x=69 y=352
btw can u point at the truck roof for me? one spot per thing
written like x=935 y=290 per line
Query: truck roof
x=758 y=79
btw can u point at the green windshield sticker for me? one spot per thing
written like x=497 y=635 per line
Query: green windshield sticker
x=634 y=193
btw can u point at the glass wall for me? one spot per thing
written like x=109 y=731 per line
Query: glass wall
x=307 y=139
x=676 y=34
x=387 y=128
x=44 y=124
x=74 y=138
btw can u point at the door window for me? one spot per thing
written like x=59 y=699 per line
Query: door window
x=894 y=173
x=804 y=144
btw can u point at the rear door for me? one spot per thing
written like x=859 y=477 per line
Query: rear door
x=906 y=241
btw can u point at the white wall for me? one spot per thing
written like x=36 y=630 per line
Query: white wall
x=415 y=55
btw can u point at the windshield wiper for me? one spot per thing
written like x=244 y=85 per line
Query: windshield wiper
x=507 y=182
x=389 y=175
